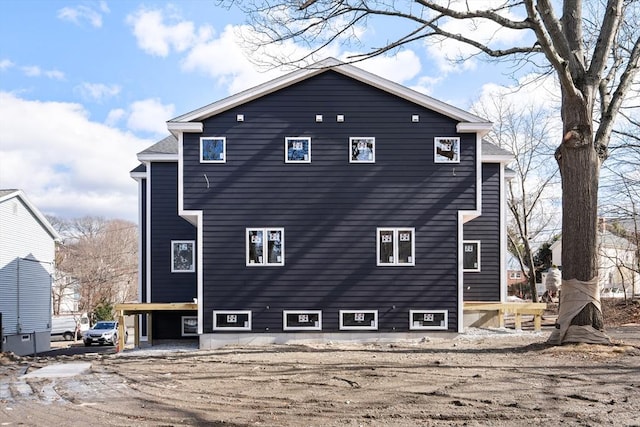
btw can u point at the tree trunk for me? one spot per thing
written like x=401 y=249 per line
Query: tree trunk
x=579 y=164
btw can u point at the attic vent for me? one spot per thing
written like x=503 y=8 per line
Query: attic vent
x=240 y=118
x=340 y=118
x=415 y=118
x=318 y=117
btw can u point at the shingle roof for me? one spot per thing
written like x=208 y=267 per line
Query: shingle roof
x=168 y=145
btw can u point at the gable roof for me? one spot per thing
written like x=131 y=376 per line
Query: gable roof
x=8 y=194
x=189 y=122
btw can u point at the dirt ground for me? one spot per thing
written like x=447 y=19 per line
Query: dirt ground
x=497 y=377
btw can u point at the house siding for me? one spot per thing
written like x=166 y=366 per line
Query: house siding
x=329 y=209
x=166 y=226
x=484 y=285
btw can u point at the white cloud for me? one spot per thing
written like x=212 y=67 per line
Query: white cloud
x=35 y=71
x=82 y=13
x=67 y=164
x=150 y=115
x=156 y=37
x=399 y=68
x=5 y=64
x=115 y=116
x=98 y=91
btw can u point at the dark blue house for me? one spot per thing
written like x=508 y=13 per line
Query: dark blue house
x=328 y=203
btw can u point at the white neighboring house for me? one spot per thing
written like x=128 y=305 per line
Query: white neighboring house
x=615 y=266
x=27 y=254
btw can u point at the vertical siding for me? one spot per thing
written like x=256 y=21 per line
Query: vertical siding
x=485 y=284
x=166 y=226
x=330 y=209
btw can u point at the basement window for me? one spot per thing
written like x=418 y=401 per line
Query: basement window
x=428 y=319
x=304 y=320
x=189 y=326
x=226 y=320
x=359 y=320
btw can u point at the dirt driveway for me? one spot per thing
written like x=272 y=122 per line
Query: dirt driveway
x=497 y=378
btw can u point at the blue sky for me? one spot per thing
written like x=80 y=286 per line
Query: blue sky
x=85 y=85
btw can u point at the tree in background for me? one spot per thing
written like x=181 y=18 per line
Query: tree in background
x=98 y=258
x=593 y=51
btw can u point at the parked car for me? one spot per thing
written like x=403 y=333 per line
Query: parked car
x=66 y=325
x=103 y=332
x=612 y=293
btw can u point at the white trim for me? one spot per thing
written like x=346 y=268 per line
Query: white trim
x=481 y=128
x=181 y=127
x=182 y=326
x=158 y=157
x=503 y=236
x=478 y=244
x=396 y=240
x=440 y=159
x=148 y=234
x=370 y=327
x=316 y=327
x=224 y=149
x=369 y=140
x=193 y=260
x=413 y=326
x=247 y=324
x=294 y=139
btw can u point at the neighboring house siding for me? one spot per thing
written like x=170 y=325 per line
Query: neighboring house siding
x=329 y=209
x=485 y=284
x=166 y=226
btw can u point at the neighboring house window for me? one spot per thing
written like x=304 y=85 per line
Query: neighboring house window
x=182 y=256
x=213 y=149
x=396 y=246
x=362 y=150
x=516 y=275
x=446 y=150
x=265 y=246
x=471 y=255
x=297 y=150
x=189 y=326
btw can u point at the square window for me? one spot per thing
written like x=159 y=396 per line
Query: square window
x=297 y=150
x=396 y=246
x=358 y=319
x=446 y=150
x=265 y=246
x=213 y=150
x=302 y=320
x=182 y=256
x=362 y=150
x=471 y=255
x=232 y=320
x=428 y=319
x=189 y=326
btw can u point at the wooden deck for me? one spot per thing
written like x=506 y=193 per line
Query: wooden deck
x=516 y=308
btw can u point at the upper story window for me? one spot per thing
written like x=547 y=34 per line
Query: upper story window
x=396 y=246
x=362 y=150
x=182 y=256
x=446 y=149
x=213 y=149
x=471 y=255
x=297 y=150
x=265 y=246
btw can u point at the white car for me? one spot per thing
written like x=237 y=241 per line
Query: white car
x=103 y=332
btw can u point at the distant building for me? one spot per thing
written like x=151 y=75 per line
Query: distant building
x=27 y=253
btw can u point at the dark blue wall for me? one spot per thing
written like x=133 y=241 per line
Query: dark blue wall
x=329 y=209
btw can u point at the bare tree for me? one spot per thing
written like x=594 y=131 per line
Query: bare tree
x=525 y=130
x=593 y=51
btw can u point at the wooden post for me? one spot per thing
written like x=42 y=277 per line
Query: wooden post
x=121 y=332
x=136 y=331
x=150 y=328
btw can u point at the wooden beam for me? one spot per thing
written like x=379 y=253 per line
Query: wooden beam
x=142 y=307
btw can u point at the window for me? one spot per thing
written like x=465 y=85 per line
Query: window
x=189 y=326
x=362 y=150
x=396 y=246
x=297 y=150
x=306 y=320
x=359 y=319
x=213 y=149
x=515 y=275
x=446 y=150
x=232 y=320
x=471 y=255
x=428 y=319
x=182 y=256
x=265 y=246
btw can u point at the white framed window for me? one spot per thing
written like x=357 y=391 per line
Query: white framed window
x=213 y=149
x=362 y=149
x=265 y=246
x=359 y=320
x=428 y=319
x=189 y=326
x=182 y=256
x=230 y=320
x=302 y=320
x=515 y=275
x=297 y=149
x=446 y=149
x=395 y=246
x=471 y=255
